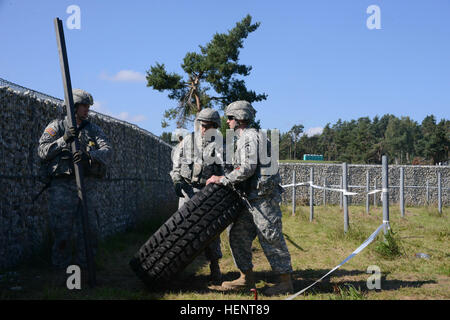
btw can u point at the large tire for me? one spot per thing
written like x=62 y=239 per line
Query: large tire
x=186 y=233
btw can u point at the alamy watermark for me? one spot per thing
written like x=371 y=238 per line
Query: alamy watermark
x=374 y=281
x=374 y=20
x=74 y=20
x=250 y=148
x=74 y=280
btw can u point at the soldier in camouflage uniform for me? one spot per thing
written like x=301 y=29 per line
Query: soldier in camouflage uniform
x=64 y=207
x=195 y=159
x=261 y=185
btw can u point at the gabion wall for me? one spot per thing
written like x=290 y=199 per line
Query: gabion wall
x=137 y=184
x=415 y=181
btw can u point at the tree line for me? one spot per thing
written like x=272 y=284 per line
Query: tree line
x=404 y=140
x=213 y=77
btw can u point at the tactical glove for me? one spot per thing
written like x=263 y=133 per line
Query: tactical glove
x=81 y=156
x=70 y=135
x=178 y=189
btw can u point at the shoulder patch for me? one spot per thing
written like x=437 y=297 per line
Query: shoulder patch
x=50 y=131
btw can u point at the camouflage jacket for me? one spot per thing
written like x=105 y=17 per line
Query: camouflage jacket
x=249 y=174
x=195 y=160
x=57 y=153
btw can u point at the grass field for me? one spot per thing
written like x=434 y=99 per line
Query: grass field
x=315 y=247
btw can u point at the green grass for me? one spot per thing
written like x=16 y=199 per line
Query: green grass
x=315 y=248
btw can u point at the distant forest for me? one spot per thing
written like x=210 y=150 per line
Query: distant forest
x=365 y=141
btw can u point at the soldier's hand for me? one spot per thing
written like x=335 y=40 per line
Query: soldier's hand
x=178 y=186
x=81 y=156
x=70 y=134
x=214 y=179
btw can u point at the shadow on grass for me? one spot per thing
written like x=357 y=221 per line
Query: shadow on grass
x=286 y=236
x=304 y=278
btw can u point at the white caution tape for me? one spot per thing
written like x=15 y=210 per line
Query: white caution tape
x=345 y=192
x=296 y=184
x=354 y=253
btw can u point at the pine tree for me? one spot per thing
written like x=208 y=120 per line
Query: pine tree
x=213 y=77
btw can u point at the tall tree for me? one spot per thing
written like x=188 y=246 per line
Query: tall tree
x=296 y=131
x=435 y=143
x=213 y=77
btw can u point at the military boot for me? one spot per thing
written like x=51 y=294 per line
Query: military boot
x=215 y=275
x=245 y=281
x=282 y=287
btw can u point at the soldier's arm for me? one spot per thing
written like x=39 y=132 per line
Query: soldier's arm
x=104 y=152
x=247 y=165
x=176 y=162
x=51 y=142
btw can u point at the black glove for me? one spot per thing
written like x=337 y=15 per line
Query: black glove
x=178 y=189
x=81 y=156
x=70 y=135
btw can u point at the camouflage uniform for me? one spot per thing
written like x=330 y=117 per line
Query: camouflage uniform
x=65 y=216
x=193 y=171
x=262 y=188
x=195 y=159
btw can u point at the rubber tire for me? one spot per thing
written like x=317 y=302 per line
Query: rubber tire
x=186 y=233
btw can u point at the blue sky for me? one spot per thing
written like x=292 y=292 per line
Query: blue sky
x=316 y=60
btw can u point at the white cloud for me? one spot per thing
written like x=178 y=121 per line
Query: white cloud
x=124 y=76
x=100 y=107
x=313 y=131
x=126 y=117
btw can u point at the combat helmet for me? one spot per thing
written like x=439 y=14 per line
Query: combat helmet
x=82 y=97
x=210 y=115
x=241 y=110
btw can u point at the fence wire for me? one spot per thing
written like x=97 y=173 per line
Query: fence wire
x=40 y=95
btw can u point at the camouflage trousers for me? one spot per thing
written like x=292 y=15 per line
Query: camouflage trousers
x=264 y=221
x=66 y=225
x=212 y=251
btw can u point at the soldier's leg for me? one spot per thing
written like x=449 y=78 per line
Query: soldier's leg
x=93 y=219
x=267 y=218
x=213 y=251
x=241 y=235
x=62 y=209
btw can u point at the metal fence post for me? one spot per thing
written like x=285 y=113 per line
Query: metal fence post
x=293 y=192
x=311 y=195
x=341 y=195
x=367 y=190
x=385 y=193
x=402 y=192
x=428 y=193
x=439 y=187
x=324 y=191
x=345 y=184
x=375 y=195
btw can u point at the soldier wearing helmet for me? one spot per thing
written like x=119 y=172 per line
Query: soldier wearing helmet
x=55 y=152
x=195 y=159
x=263 y=217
